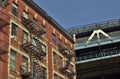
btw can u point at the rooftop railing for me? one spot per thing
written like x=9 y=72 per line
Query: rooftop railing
x=94 y=26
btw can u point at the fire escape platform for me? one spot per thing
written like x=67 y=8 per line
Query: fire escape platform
x=4 y=19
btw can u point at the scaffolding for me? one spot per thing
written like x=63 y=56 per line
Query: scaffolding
x=35 y=51
x=66 y=69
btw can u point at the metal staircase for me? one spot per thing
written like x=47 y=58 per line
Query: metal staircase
x=35 y=51
x=66 y=70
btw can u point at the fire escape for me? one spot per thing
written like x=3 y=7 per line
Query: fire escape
x=4 y=21
x=66 y=69
x=35 y=51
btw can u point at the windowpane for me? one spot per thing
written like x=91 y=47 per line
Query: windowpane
x=25 y=37
x=60 y=42
x=34 y=43
x=14 y=31
x=24 y=63
x=61 y=62
x=25 y=15
x=44 y=73
x=54 y=57
x=53 y=39
x=35 y=23
x=12 y=60
x=15 y=9
x=35 y=75
x=55 y=76
x=66 y=47
x=43 y=49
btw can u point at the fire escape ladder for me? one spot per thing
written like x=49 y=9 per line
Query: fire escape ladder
x=35 y=52
x=38 y=68
x=66 y=69
x=63 y=50
x=39 y=47
x=33 y=55
x=30 y=48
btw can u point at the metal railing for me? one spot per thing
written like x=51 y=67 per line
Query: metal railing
x=94 y=26
x=98 y=56
x=4 y=18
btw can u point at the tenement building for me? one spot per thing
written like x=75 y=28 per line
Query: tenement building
x=32 y=44
x=98 y=50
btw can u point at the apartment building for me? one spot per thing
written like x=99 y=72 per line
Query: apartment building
x=98 y=50
x=32 y=44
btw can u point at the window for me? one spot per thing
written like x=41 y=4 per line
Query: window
x=66 y=47
x=25 y=15
x=25 y=37
x=43 y=50
x=67 y=63
x=34 y=44
x=14 y=31
x=15 y=9
x=44 y=73
x=35 y=67
x=25 y=64
x=43 y=29
x=54 y=57
x=12 y=60
x=61 y=62
x=53 y=39
x=60 y=44
x=35 y=23
x=55 y=76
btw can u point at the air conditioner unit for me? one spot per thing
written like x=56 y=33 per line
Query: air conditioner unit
x=13 y=37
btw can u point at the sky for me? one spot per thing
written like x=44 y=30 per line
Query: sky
x=75 y=13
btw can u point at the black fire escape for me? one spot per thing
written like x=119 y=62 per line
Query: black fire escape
x=4 y=21
x=4 y=3
x=35 y=51
x=66 y=69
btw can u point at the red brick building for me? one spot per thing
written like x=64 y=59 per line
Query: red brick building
x=32 y=44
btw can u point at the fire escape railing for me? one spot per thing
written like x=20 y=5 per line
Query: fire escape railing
x=4 y=3
x=4 y=19
x=30 y=26
x=24 y=72
x=66 y=69
x=35 y=51
x=65 y=52
x=3 y=45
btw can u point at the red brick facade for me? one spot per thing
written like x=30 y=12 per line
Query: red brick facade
x=8 y=42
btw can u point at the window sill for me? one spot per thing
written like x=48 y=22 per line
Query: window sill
x=14 y=71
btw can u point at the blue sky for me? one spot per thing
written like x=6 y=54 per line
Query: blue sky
x=73 y=13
